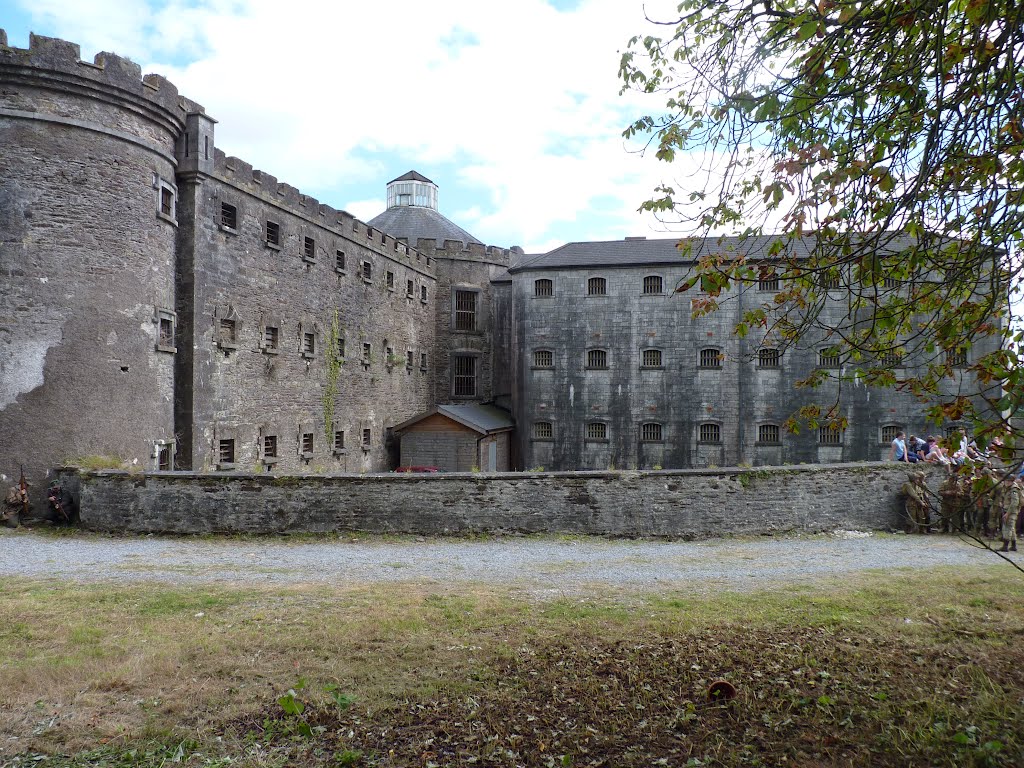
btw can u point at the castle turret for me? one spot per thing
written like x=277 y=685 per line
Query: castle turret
x=412 y=213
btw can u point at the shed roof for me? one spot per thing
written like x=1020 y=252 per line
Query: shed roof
x=485 y=419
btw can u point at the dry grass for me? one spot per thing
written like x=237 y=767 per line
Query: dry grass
x=920 y=668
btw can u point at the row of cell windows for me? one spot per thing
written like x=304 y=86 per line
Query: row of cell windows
x=271 y=446
x=273 y=237
x=768 y=280
x=707 y=432
x=712 y=357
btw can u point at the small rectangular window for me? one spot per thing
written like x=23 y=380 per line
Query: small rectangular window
x=543 y=430
x=423 y=361
x=597 y=430
x=768 y=280
x=709 y=433
x=164 y=457
x=307 y=444
x=828 y=435
x=270 y=446
x=410 y=289
x=226 y=452
x=228 y=216
x=339 y=440
x=227 y=333
x=464 y=376
x=389 y=280
x=543 y=287
x=597 y=286
x=409 y=357
x=271 y=335
x=308 y=344
x=423 y=294
x=339 y=261
x=273 y=234
x=465 y=310
x=366 y=438
x=597 y=358
x=828 y=358
x=768 y=433
x=367 y=353
x=651 y=433
x=651 y=358
x=710 y=357
x=891 y=359
x=367 y=270
x=308 y=249
x=652 y=284
x=890 y=282
x=543 y=358
x=165 y=331
x=340 y=350
x=167 y=202
x=768 y=357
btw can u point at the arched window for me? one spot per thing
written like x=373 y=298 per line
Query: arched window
x=889 y=432
x=651 y=432
x=597 y=358
x=709 y=433
x=769 y=357
x=543 y=358
x=597 y=286
x=828 y=357
x=710 y=357
x=543 y=287
x=829 y=435
x=653 y=284
x=597 y=430
x=543 y=430
x=768 y=434
x=651 y=358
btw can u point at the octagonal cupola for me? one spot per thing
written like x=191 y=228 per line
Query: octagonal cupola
x=414 y=189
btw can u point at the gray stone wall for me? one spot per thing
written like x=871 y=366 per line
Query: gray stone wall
x=737 y=398
x=689 y=503
x=312 y=288
x=86 y=258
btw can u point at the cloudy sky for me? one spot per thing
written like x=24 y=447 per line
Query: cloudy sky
x=513 y=109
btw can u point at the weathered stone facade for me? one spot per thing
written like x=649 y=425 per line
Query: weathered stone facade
x=163 y=303
x=682 y=503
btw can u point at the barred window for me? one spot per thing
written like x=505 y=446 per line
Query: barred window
x=308 y=248
x=597 y=358
x=307 y=444
x=829 y=435
x=597 y=286
x=651 y=358
x=952 y=430
x=889 y=432
x=167 y=202
x=271 y=334
x=543 y=358
x=227 y=333
x=270 y=446
x=957 y=358
x=465 y=310
x=228 y=216
x=389 y=280
x=830 y=280
x=543 y=287
x=543 y=430
x=273 y=233
x=366 y=438
x=768 y=280
x=339 y=440
x=710 y=357
x=340 y=351
x=308 y=344
x=464 y=376
x=768 y=433
x=597 y=430
x=650 y=432
x=367 y=352
x=367 y=269
x=410 y=289
x=339 y=261
x=423 y=294
x=828 y=357
x=423 y=361
x=709 y=433
x=226 y=452
x=409 y=358
x=652 y=284
x=769 y=357
x=891 y=359
x=890 y=282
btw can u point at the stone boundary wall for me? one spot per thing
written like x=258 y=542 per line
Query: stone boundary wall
x=674 y=503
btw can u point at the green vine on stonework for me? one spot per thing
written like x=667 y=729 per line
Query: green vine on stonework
x=332 y=363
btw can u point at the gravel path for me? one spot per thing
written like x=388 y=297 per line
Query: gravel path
x=537 y=564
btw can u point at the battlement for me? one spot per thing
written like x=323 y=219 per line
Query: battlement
x=60 y=62
x=267 y=187
x=456 y=249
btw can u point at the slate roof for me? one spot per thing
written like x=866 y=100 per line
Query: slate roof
x=484 y=419
x=413 y=222
x=412 y=176
x=638 y=251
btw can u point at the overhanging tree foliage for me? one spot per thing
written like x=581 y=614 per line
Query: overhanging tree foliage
x=891 y=133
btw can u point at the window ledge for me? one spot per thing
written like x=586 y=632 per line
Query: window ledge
x=542 y=367
x=271 y=460
x=228 y=345
x=651 y=442
x=272 y=246
x=542 y=439
x=227 y=466
x=169 y=219
x=340 y=451
x=227 y=230
x=709 y=368
x=596 y=368
x=305 y=456
x=269 y=350
x=340 y=271
x=169 y=350
x=390 y=290
x=423 y=301
x=596 y=440
x=366 y=448
x=308 y=355
x=652 y=367
x=768 y=445
x=702 y=442
x=368 y=281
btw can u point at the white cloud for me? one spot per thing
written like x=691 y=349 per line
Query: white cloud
x=521 y=98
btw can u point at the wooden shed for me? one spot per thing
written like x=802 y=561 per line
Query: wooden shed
x=458 y=438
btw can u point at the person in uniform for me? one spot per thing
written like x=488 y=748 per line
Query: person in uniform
x=1010 y=499
x=949 y=504
x=917 y=502
x=15 y=501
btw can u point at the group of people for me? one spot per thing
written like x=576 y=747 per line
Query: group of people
x=981 y=501
x=931 y=451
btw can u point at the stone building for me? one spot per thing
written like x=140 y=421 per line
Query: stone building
x=169 y=305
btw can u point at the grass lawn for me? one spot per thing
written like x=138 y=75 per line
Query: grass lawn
x=897 y=669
